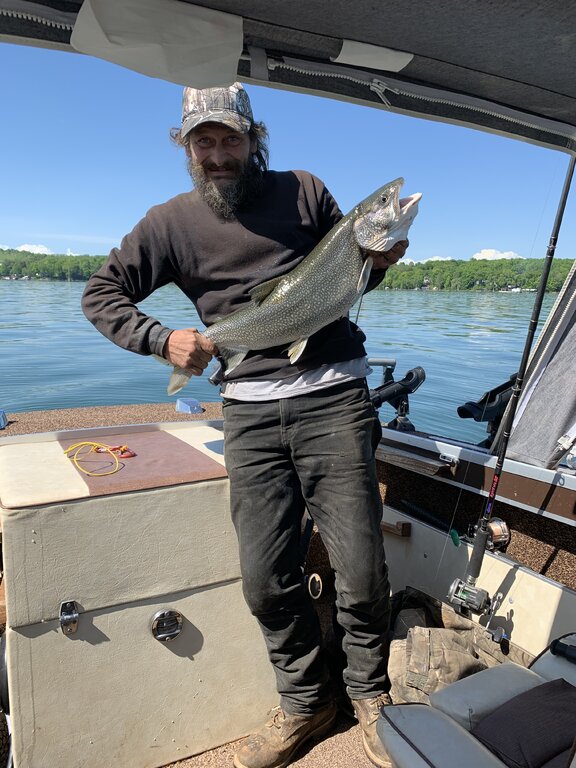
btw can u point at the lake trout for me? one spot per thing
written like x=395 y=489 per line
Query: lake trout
x=322 y=288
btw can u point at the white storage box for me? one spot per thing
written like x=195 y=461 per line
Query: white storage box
x=154 y=537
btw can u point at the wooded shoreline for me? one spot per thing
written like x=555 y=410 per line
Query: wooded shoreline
x=449 y=275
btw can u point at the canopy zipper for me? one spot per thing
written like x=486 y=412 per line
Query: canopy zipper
x=379 y=87
x=377 y=84
x=36 y=19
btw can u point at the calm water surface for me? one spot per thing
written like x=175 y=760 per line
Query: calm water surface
x=52 y=357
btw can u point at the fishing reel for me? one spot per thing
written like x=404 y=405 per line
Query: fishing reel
x=492 y=535
x=498 y=535
x=467 y=597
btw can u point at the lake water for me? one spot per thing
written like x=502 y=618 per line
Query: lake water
x=52 y=357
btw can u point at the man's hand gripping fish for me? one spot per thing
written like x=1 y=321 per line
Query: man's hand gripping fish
x=321 y=289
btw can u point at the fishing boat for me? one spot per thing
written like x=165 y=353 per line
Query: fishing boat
x=127 y=641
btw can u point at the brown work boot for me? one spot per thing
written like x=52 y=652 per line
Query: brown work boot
x=368 y=711
x=276 y=743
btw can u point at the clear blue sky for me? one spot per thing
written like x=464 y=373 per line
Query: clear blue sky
x=84 y=152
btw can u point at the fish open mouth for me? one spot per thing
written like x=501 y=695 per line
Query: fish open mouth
x=407 y=202
x=407 y=211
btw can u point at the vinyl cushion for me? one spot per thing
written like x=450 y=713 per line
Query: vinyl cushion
x=533 y=728
x=470 y=700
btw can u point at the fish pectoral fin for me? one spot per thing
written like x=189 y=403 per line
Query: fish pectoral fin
x=232 y=358
x=296 y=350
x=262 y=291
x=364 y=275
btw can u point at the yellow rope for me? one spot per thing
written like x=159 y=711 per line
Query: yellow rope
x=93 y=448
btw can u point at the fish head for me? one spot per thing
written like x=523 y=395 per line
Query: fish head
x=383 y=218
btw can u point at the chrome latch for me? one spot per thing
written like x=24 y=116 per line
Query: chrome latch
x=166 y=625
x=451 y=461
x=69 y=617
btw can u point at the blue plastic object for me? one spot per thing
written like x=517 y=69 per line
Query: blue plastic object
x=3 y=420
x=188 y=405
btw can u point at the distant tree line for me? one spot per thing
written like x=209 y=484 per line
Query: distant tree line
x=38 y=266
x=474 y=275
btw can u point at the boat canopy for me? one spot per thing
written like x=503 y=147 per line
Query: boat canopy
x=544 y=429
x=502 y=67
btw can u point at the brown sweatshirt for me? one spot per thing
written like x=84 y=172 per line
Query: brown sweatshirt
x=216 y=263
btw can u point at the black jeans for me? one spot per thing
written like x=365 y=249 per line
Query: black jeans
x=316 y=450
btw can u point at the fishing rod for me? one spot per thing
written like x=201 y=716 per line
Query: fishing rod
x=463 y=592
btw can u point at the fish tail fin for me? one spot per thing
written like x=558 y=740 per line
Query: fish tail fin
x=179 y=378
x=162 y=360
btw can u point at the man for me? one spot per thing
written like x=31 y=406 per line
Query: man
x=295 y=435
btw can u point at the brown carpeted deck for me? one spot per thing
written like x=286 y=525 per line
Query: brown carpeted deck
x=28 y=422
x=343 y=748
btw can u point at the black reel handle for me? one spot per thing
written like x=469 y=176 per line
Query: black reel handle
x=567 y=651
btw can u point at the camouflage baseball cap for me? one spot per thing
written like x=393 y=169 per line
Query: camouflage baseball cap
x=228 y=105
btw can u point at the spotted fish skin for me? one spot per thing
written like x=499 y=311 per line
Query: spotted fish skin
x=321 y=289
x=296 y=307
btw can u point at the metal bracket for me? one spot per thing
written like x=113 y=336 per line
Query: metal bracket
x=451 y=461
x=69 y=617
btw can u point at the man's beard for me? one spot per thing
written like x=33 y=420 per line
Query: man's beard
x=225 y=200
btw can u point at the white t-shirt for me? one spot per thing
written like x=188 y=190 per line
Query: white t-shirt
x=319 y=378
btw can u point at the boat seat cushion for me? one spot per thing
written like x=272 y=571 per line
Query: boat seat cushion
x=533 y=728
x=471 y=699
x=419 y=736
